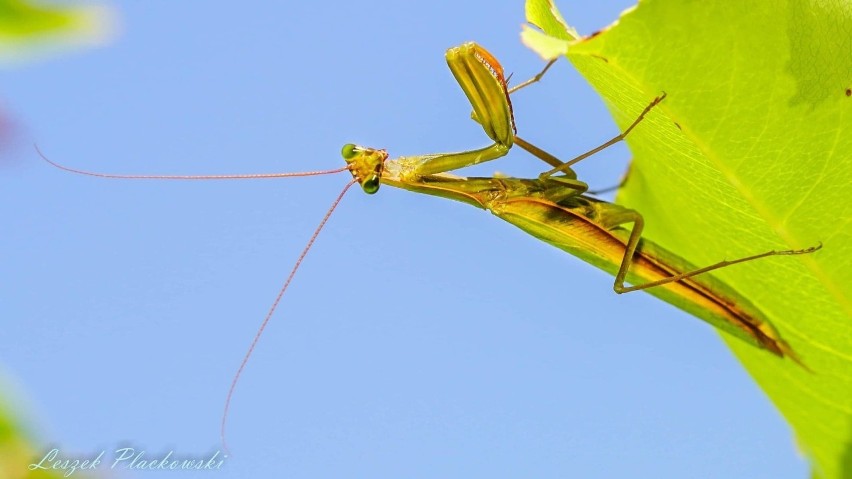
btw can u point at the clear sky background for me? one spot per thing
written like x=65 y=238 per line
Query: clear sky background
x=422 y=337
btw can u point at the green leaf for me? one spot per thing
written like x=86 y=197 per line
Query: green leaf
x=546 y=16
x=26 y=28
x=17 y=448
x=750 y=151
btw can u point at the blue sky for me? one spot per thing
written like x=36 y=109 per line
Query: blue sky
x=422 y=337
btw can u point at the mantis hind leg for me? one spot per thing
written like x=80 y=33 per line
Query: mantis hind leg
x=621 y=216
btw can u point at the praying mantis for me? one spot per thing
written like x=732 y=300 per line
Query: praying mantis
x=553 y=207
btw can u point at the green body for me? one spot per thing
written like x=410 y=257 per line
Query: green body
x=554 y=209
x=580 y=225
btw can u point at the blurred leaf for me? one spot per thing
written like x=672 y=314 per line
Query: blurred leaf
x=18 y=450
x=750 y=151
x=27 y=29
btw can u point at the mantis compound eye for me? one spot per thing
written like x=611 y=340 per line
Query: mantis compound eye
x=371 y=184
x=348 y=151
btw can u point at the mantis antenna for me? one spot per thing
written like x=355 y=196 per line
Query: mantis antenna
x=274 y=306
x=295 y=267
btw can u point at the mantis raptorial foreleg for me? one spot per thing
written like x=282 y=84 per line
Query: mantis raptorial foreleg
x=523 y=144
x=467 y=63
x=527 y=146
x=482 y=79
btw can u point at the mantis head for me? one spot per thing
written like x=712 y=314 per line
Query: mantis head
x=366 y=165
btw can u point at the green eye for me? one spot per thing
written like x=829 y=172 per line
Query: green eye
x=348 y=151
x=371 y=184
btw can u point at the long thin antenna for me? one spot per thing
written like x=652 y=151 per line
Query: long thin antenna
x=273 y=307
x=253 y=176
